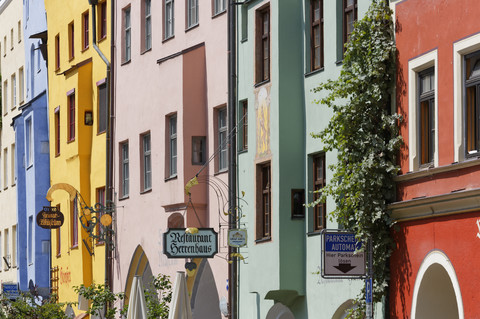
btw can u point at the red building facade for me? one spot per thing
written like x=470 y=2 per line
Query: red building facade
x=435 y=263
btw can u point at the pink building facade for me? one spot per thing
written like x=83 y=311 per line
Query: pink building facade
x=170 y=99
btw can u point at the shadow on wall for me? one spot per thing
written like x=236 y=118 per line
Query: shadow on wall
x=205 y=300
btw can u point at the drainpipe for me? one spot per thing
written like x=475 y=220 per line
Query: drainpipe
x=232 y=159
x=109 y=144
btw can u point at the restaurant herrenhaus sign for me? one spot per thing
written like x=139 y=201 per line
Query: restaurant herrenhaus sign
x=179 y=244
x=50 y=218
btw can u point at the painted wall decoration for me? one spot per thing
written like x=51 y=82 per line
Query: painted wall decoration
x=262 y=108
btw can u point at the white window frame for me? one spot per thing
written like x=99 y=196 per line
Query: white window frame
x=5 y=167
x=148 y=24
x=125 y=187
x=460 y=50
x=14 y=90
x=192 y=13
x=29 y=144
x=169 y=19
x=222 y=140
x=127 y=34
x=415 y=66
x=147 y=162
x=219 y=6
x=173 y=145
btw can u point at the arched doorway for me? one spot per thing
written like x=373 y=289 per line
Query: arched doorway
x=342 y=311
x=437 y=293
x=279 y=311
x=139 y=266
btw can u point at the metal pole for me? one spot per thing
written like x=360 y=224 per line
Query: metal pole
x=232 y=159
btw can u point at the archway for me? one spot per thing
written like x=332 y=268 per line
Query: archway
x=342 y=311
x=279 y=311
x=437 y=293
x=139 y=266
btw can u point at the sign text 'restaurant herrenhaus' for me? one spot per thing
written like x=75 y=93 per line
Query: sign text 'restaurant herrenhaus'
x=179 y=244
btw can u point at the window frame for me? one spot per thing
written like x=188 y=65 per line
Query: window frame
x=426 y=119
x=13 y=79
x=102 y=109
x=126 y=34
x=102 y=20
x=146 y=162
x=313 y=25
x=471 y=83
x=57 y=52
x=192 y=8
x=100 y=199
x=146 y=25
x=21 y=85
x=85 y=30
x=168 y=8
x=124 y=169
x=57 y=131
x=71 y=116
x=243 y=122
x=345 y=11
x=71 y=41
x=262 y=44
x=263 y=225
x=30 y=241
x=199 y=150
x=222 y=138
x=172 y=151
x=318 y=183
x=58 y=238
x=29 y=142
x=74 y=224
x=219 y=6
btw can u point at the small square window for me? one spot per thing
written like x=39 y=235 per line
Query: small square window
x=199 y=150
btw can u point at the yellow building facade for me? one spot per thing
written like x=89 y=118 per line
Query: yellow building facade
x=77 y=127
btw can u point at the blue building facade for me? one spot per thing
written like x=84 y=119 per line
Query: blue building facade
x=32 y=152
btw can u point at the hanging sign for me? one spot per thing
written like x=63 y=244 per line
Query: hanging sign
x=237 y=237
x=10 y=290
x=341 y=255
x=179 y=244
x=50 y=218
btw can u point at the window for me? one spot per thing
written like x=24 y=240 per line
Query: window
x=264 y=208
x=222 y=139
x=71 y=41
x=7 y=248
x=21 y=85
x=426 y=99
x=57 y=131
x=5 y=168
x=219 y=6
x=192 y=13
x=14 y=90
x=57 y=54
x=30 y=239
x=349 y=18
x=199 y=150
x=32 y=71
x=19 y=31
x=100 y=200
x=5 y=97
x=172 y=143
x=59 y=237
x=85 y=26
x=11 y=39
x=4 y=45
x=147 y=25
x=14 y=245
x=29 y=141
x=168 y=19
x=472 y=101
x=12 y=165
x=319 y=210
x=244 y=22
x=298 y=203
x=102 y=108
x=127 y=35
x=39 y=53
x=146 y=165
x=124 y=170
x=243 y=125
x=74 y=223
x=71 y=117
x=262 y=45
x=102 y=30
x=316 y=34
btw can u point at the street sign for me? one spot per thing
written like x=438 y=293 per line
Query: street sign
x=50 y=218
x=369 y=297
x=10 y=291
x=179 y=244
x=341 y=257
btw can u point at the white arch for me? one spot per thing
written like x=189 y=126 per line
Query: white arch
x=437 y=257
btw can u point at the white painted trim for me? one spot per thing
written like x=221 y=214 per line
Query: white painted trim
x=460 y=48
x=437 y=257
x=416 y=65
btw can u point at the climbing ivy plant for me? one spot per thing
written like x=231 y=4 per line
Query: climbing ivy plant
x=365 y=135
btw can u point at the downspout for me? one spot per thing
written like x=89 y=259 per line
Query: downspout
x=108 y=164
x=232 y=159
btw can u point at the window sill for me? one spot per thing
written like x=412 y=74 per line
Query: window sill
x=125 y=62
x=244 y=40
x=170 y=178
x=57 y=155
x=85 y=49
x=74 y=247
x=192 y=27
x=169 y=38
x=71 y=59
x=468 y=162
x=102 y=132
x=339 y=62
x=219 y=14
x=223 y=171
x=263 y=240
x=308 y=74
x=123 y=198
x=58 y=255
x=5 y=188
x=146 y=191
x=314 y=233
x=29 y=166
x=262 y=83
x=241 y=151
x=71 y=141
x=102 y=243
x=101 y=39
x=145 y=51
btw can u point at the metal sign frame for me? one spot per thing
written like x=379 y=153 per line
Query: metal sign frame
x=333 y=276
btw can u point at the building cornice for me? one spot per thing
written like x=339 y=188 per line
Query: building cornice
x=435 y=206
